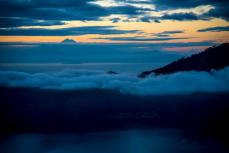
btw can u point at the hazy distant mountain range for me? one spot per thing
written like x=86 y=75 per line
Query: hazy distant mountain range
x=216 y=57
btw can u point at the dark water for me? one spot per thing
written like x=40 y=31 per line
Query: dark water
x=102 y=121
x=123 y=141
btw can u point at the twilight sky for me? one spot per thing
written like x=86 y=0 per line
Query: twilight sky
x=151 y=21
x=119 y=35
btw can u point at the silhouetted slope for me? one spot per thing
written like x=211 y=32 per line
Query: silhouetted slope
x=216 y=57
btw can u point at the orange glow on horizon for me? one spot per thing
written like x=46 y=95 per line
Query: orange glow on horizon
x=190 y=29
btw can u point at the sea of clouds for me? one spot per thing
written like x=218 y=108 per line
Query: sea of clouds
x=177 y=83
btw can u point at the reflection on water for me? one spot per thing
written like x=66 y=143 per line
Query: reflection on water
x=126 y=141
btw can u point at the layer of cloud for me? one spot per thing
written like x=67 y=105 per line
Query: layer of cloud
x=17 y=22
x=168 y=33
x=141 y=39
x=75 y=31
x=215 y=29
x=177 y=83
x=162 y=36
x=180 y=16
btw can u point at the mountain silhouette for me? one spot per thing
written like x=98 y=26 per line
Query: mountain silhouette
x=216 y=57
x=69 y=41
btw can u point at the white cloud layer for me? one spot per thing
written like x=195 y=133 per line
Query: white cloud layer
x=199 y=10
x=177 y=83
x=114 y=3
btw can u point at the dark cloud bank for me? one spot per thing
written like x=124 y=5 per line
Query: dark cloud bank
x=105 y=30
x=215 y=29
x=16 y=13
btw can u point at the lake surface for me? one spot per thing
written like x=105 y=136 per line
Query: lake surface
x=132 y=140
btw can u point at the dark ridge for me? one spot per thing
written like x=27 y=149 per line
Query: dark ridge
x=216 y=57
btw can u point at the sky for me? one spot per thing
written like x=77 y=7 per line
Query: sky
x=148 y=32
x=114 y=20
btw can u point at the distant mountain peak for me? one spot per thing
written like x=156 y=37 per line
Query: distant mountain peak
x=216 y=57
x=68 y=41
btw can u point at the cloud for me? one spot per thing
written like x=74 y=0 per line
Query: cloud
x=189 y=44
x=177 y=83
x=74 y=31
x=147 y=19
x=59 y=10
x=127 y=10
x=179 y=10
x=220 y=12
x=115 y=20
x=214 y=29
x=17 y=22
x=220 y=7
x=141 y=39
x=174 y=4
x=53 y=12
x=168 y=33
x=180 y=16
